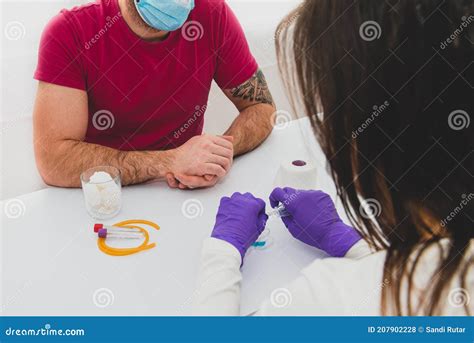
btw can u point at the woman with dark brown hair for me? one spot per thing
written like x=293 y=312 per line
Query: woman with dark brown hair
x=387 y=86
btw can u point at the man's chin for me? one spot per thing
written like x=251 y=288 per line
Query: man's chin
x=153 y=31
x=154 y=34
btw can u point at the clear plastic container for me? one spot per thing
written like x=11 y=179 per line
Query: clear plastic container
x=102 y=190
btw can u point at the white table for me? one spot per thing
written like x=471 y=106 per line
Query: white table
x=52 y=266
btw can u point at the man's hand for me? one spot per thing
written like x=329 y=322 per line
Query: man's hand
x=251 y=127
x=201 y=162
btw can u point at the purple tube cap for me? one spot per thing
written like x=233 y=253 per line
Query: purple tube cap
x=102 y=233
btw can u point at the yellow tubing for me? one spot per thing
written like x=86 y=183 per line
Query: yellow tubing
x=128 y=251
x=137 y=221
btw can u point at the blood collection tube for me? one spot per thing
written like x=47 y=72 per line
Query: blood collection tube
x=114 y=229
x=264 y=240
x=279 y=212
x=104 y=233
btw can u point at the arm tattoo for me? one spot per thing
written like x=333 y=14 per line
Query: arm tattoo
x=254 y=90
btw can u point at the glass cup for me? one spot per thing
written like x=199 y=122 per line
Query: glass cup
x=102 y=190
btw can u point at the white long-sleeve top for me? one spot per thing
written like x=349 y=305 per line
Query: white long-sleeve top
x=332 y=286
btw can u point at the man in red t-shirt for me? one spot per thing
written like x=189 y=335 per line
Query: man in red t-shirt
x=126 y=83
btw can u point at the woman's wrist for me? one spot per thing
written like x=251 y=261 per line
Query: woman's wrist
x=222 y=247
x=230 y=240
x=340 y=239
x=359 y=250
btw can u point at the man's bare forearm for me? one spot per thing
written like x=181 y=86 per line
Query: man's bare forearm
x=251 y=127
x=69 y=158
x=256 y=118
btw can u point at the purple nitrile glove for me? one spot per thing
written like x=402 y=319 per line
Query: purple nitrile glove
x=240 y=220
x=314 y=220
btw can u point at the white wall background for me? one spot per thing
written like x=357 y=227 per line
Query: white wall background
x=22 y=23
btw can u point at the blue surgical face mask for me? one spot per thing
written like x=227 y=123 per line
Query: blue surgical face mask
x=164 y=15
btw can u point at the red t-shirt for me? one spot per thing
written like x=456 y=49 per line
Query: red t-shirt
x=144 y=95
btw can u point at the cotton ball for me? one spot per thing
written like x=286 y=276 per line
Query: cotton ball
x=110 y=196
x=92 y=195
x=100 y=177
x=102 y=194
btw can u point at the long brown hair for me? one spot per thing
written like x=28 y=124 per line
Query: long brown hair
x=394 y=81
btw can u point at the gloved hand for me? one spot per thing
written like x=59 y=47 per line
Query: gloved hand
x=240 y=220
x=314 y=220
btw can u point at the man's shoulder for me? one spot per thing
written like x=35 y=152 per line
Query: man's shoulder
x=209 y=6
x=78 y=17
x=86 y=8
